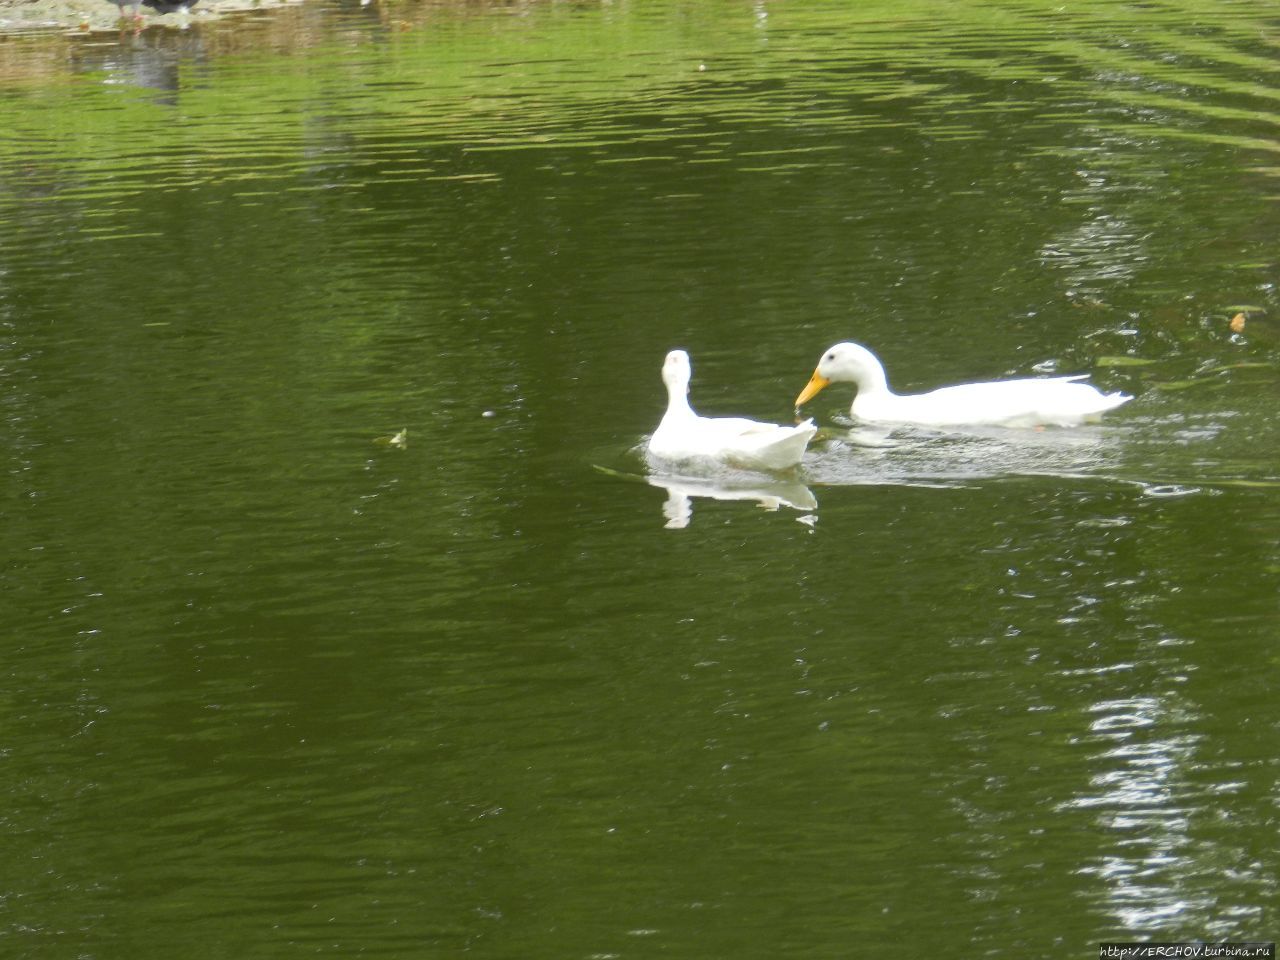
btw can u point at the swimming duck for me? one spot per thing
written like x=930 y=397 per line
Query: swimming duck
x=683 y=435
x=1059 y=401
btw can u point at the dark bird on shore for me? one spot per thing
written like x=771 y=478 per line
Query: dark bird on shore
x=129 y=8
x=170 y=6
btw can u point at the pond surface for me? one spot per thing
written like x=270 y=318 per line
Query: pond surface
x=273 y=688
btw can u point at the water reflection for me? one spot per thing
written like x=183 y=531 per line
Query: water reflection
x=769 y=495
x=145 y=60
x=1139 y=792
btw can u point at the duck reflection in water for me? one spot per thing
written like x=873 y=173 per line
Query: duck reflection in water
x=769 y=495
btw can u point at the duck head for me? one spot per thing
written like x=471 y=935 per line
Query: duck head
x=845 y=363
x=676 y=371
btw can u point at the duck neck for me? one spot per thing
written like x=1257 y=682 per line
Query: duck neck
x=677 y=384
x=678 y=403
x=871 y=381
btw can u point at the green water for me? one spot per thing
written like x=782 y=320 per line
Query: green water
x=270 y=688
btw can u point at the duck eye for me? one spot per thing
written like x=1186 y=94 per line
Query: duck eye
x=831 y=356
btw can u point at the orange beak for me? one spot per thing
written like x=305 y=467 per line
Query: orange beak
x=816 y=383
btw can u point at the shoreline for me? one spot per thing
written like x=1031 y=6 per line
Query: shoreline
x=21 y=18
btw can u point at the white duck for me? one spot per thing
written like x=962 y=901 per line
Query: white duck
x=683 y=435
x=1060 y=401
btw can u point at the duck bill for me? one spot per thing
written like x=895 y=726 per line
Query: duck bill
x=816 y=384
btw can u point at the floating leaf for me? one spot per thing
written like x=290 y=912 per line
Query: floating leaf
x=401 y=439
x=1123 y=361
x=1181 y=384
x=618 y=474
x=1238 y=322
